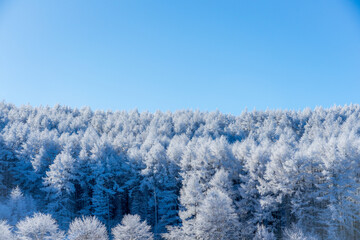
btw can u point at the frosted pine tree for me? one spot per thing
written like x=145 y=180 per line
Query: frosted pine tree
x=60 y=188
x=263 y=234
x=160 y=179
x=108 y=175
x=306 y=200
x=217 y=219
x=191 y=196
x=87 y=228
x=7 y=163
x=19 y=206
x=6 y=231
x=132 y=228
x=40 y=227
x=295 y=232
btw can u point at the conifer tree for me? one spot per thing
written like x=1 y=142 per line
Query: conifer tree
x=87 y=228
x=6 y=231
x=132 y=228
x=217 y=218
x=60 y=188
x=40 y=227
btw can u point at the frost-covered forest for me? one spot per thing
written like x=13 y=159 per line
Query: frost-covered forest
x=179 y=175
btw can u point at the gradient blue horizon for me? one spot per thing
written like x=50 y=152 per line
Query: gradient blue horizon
x=173 y=55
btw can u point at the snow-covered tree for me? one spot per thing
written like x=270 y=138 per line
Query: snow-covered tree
x=60 y=188
x=221 y=181
x=263 y=234
x=174 y=233
x=132 y=228
x=6 y=231
x=191 y=197
x=296 y=233
x=87 y=228
x=40 y=227
x=7 y=164
x=159 y=178
x=108 y=176
x=217 y=218
x=19 y=205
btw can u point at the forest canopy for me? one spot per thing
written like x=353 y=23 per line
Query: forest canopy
x=184 y=174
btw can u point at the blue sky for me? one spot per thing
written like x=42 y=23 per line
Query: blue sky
x=170 y=55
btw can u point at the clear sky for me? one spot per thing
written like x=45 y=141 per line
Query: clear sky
x=171 y=55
